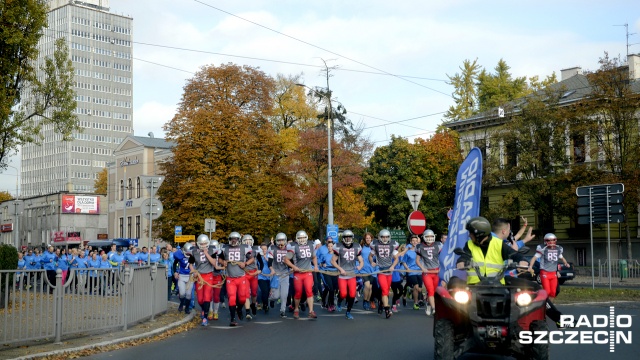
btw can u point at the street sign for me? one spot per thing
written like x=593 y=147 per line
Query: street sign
x=602 y=210
x=184 y=238
x=155 y=205
x=209 y=225
x=414 y=197
x=416 y=222
x=600 y=189
x=332 y=230
x=154 y=180
x=399 y=236
x=601 y=219
x=600 y=200
x=178 y=230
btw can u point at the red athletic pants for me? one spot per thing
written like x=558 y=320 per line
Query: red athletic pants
x=549 y=282
x=302 y=280
x=430 y=281
x=385 y=283
x=344 y=284
x=252 y=286
x=236 y=287
x=204 y=292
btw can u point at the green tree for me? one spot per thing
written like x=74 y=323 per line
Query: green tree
x=464 y=93
x=225 y=159
x=5 y=195
x=496 y=89
x=50 y=86
x=429 y=165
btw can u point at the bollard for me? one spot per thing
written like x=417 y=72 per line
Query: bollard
x=57 y=305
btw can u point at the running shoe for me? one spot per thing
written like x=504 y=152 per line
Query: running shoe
x=372 y=305
x=416 y=307
x=296 y=314
x=387 y=313
x=215 y=316
x=205 y=322
x=224 y=305
x=394 y=308
x=248 y=317
x=291 y=308
x=318 y=298
x=312 y=315
x=365 y=305
x=210 y=315
x=339 y=308
x=331 y=308
x=349 y=316
x=283 y=315
x=428 y=310
x=233 y=322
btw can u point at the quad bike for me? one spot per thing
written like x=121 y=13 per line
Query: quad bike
x=487 y=317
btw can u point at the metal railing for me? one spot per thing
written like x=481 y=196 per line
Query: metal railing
x=620 y=269
x=42 y=305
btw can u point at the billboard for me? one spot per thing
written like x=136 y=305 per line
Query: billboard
x=80 y=204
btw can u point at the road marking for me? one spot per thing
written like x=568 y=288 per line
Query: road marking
x=224 y=327
x=268 y=322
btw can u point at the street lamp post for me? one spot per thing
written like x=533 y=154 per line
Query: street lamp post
x=329 y=171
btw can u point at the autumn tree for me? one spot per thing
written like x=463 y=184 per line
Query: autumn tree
x=51 y=100
x=498 y=88
x=224 y=164
x=610 y=118
x=306 y=190
x=428 y=164
x=101 y=183
x=5 y=195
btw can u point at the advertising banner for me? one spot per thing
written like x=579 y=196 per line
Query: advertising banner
x=80 y=204
x=466 y=205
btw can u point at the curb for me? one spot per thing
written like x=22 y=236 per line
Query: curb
x=109 y=342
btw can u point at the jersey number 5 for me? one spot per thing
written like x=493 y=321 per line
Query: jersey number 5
x=552 y=256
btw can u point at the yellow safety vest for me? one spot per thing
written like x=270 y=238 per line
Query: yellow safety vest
x=490 y=264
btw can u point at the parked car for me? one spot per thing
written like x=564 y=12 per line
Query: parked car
x=565 y=272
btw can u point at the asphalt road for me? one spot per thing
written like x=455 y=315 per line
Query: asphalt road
x=407 y=335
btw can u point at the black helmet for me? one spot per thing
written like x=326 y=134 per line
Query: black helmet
x=479 y=227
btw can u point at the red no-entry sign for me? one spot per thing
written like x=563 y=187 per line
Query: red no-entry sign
x=417 y=223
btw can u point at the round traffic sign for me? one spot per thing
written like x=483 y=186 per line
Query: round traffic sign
x=416 y=222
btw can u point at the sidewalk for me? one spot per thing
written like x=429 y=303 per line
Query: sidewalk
x=165 y=324
x=582 y=279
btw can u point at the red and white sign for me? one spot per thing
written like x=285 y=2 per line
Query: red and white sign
x=6 y=227
x=77 y=204
x=417 y=223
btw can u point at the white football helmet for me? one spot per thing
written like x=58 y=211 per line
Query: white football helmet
x=247 y=240
x=187 y=249
x=302 y=237
x=281 y=240
x=347 y=237
x=429 y=236
x=234 y=238
x=203 y=242
x=550 y=240
x=384 y=236
x=214 y=246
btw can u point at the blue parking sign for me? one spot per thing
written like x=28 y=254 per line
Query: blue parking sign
x=332 y=230
x=178 y=230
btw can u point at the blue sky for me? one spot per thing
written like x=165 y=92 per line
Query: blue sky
x=422 y=39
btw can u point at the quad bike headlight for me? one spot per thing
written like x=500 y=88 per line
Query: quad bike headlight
x=523 y=299
x=461 y=296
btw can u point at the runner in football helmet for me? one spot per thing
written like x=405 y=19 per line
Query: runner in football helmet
x=247 y=240
x=187 y=248
x=302 y=237
x=384 y=236
x=203 y=241
x=281 y=240
x=234 y=238
x=429 y=236
x=550 y=240
x=347 y=237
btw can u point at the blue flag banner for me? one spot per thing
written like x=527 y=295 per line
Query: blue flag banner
x=466 y=205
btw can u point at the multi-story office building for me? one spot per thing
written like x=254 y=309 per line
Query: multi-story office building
x=100 y=46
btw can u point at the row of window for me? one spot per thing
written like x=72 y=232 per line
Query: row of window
x=80 y=59
x=103 y=76
x=128 y=234
x=102 y=88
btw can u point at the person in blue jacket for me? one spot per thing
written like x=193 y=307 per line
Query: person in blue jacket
x=106 y=274
x=154 y=256
x=330 y=281
x=49 y=262
x=369 y=281
x=396 y=285
x=131 y=258
x=38 y=266
x=63 y=263
x=22 y=265
x=168 y=262
x=94 y=263
x=264 y=282
x=414 y=279
x=80 y=264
